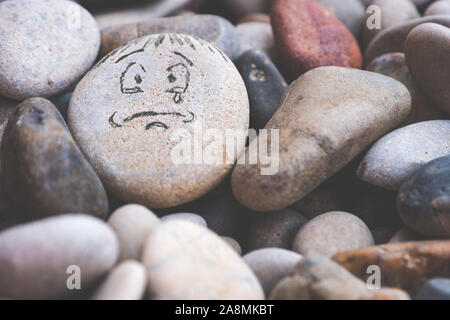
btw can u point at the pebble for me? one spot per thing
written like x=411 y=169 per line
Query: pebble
x=265 y=86
x=431 y=68
x=402 y=265
x=438 y=7
x=211 y=28
x=255 y=17
x=274 y=229
x=187 y=262
x=394 y=65
x=190 y=85
x=192 y=217
x=41 y=269
x=43 y=51
x=132 y=224
x=393 y=38
x=332 y=232
x=424 y=199
x=257 y=36
x=233 y=244
x=271 y=265
x=308 y=36
x=127 y=281
x=393 y=158
x=7 y=107
x=43 y=169
x=320 y=131
x=316 y=277
x=435 y=289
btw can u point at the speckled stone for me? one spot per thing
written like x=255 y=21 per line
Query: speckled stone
x=331 y=233
x=438 y=7
x=321 y=131
x=127 y=281
x=233 y=244
x=403 y=265
x=132 y=223
x=47 y=248
x=435 y=289
x=192 y=217
x=431 y=68
x=257 y=36
x=165 y=88
x=45 y=47
x=316 y=277
x=43 y=169
x=211 y=28
x=424 y=199
x=189 y=262
x=271 y=265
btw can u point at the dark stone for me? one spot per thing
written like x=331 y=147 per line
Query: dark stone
x=62 y=103
x=265 y=86
x=435 y=289
x=44 y=171
x=423 y=201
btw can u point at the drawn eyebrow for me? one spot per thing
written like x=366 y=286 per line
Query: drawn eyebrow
x=148 y=42
x=184 y=57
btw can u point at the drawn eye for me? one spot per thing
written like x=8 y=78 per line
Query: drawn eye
x=132 y=78
x=138 y=79
x=172 y=78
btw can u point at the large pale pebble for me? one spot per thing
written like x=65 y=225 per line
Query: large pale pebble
x=195 y=218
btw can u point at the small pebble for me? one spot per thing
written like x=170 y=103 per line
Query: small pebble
x=257 y=36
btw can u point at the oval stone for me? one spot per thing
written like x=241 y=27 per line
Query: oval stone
x=320 y=131
x=188 y=262
x=51 y=251
x=45 y=47
x=138 y=111
x=438 y=7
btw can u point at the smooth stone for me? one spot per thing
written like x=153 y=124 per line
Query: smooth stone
x=316 y=277
x=233 y=244
x=321 y=131
x=241 y=8
x=392 y=13
x=274 y=229
x=405 y=235
x=438 y=7
x=185 y=261
x=308 y=36
x=143 y=160
x=211 y=28
x=127 y=281
x=255 y=17
x=39 y=270
x=350 y=12
x=43 y=169
x=257 y=36
x=431 y=68
x=132 y=223
x=435 y=289
x=271 y=265
x=393 y=158
x=402 y=265
x=424 y=199
x=265 y=86
x=331 y=233
x=192 y=217
x=393 y=39
x=38 y=41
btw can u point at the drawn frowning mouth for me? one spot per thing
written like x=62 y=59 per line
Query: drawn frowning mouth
x=190 y=117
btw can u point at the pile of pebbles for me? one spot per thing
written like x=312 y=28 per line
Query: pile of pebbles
x=94 y=206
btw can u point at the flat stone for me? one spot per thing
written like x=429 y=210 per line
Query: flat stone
x=132 y=223
x=271 y=265
x=211 y=28
x=430 y=68
x=438 y=7
x=265 y=86
x=402 y=265
x=321 y=131
x=43 y=51
x=57 y=179
x=257 y=36
x=435 y=289
x=309 y=36
x=332 y=232
x=127 y=281
x=188 y=262
x=424 y=199
x=393 y=158
x=195 y=218
x=49 y=249
x=165 y=88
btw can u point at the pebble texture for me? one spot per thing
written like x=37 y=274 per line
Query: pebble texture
x=431 y=68
x=393 y=158
x=331 y=233
x=47 y=248
x=43 y=169
x=188 y=262
x=53 y=43
x=309 y=36
x=320 y=131
x=165 y=88
x=424 y=199
x=435 y=289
